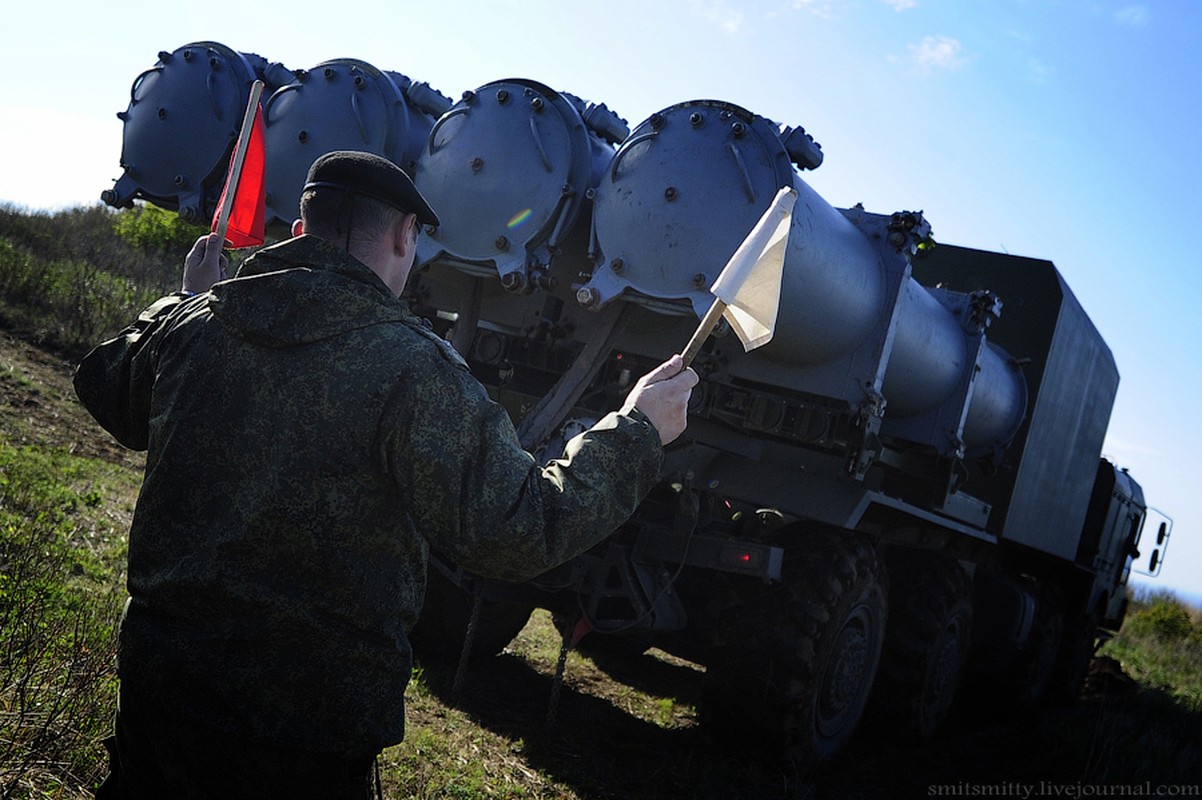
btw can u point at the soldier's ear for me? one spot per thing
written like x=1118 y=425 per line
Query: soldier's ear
x=404 y=234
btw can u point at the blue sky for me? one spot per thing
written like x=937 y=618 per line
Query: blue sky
x=1057 y=129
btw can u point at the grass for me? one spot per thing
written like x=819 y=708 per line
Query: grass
x=61 y=558
x=484 y=746
x=1161 y=646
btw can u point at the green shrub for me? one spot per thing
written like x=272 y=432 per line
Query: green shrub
x=143 y=244
x=70 y=279
x=155 y=231
x=69 y=304
x=1164 y=617
x=1161 y=646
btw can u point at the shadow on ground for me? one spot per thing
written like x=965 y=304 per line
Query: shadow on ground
x=1119 y=734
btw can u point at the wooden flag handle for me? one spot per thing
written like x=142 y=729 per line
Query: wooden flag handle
x=703 y=331
x=235 y=172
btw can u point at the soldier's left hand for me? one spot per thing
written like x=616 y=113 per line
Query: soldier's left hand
x=204 y=265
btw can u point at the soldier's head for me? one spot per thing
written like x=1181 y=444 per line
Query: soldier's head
x=366 y=204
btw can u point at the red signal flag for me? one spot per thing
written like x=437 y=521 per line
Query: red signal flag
x=246 y=215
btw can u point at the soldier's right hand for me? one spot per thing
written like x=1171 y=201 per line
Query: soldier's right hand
x=663 y=395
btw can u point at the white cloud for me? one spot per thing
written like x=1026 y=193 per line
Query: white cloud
x=819 y=8
x=1037 y=71
x=718 y=13
x=1132 y=16
x=940 y=52
x=900 y=5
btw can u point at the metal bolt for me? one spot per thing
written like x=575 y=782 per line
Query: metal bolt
x=617 y=265
x=469 y=96
x=302 y=137
x=502 y=243
x=329 y=73
x=477 y=164
x=214 y=63
x=162 y=113
x=586 y=296
x=657 y=121
x=502 y=96
x=670 y=193
x=189 y=55
x=590 y=193
x=164 y=56
x=699 y=279
x=512 y=281
x=695 y=119
x=189 y=213
x=180 y=181
x=537 y=104
x=739 y=130
x=360 y=82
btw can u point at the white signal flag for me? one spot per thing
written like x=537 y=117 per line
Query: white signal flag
x=747 y=292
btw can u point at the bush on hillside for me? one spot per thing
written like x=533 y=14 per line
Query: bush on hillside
x=75 y=277
x=1163 y=617
x=156 y=232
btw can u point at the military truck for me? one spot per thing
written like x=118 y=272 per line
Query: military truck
x=904 y=487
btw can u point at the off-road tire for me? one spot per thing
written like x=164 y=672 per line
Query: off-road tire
x=926 y=644
x=1031 y=679
x=792 y=664
x=1077 y=650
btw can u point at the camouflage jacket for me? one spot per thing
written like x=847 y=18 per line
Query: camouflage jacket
x=308 y=439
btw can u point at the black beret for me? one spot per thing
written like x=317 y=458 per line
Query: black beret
x=372 y=176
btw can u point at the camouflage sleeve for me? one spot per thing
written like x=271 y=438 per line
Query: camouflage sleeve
x=114 y=380
x=482 y=500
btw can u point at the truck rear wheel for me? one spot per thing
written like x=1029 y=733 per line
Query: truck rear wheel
x=926 y=645
x=793 y=663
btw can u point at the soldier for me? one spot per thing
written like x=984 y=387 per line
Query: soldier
x=308 y=439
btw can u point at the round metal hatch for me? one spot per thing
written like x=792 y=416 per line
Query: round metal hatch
x=679 y=196
x=183 y=117
x=506 y=167
x=342 y=104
